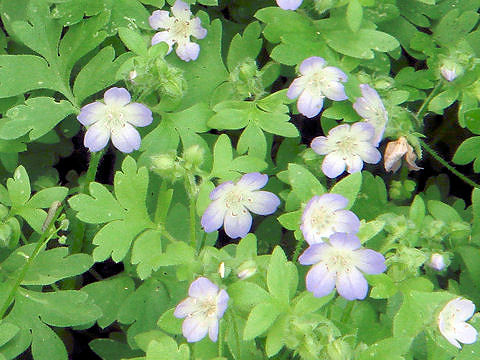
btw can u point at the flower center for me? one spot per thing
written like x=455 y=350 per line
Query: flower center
x=316 y=82
x=234 y=201
x=114 y=118
x=180 y=29
x=346 y=146
x=322 y=219
x=340 y=260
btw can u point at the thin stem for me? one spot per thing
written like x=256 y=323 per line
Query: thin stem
x=93 y=166
x=447 y=165
x=44 y=238
x=169 y=236
x=423 y=108
x=220 y=340
x=193 y=215
x=298 y=248
x=347 y=311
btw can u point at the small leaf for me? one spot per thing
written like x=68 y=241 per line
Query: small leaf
x=349 y=187
x=19 y=187
x=304 y=184
x=354 y=15
x=259 y=320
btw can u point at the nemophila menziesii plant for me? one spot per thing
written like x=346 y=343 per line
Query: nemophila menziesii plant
x=213 y=179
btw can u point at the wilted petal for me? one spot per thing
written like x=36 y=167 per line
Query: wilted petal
x=320 y=145
x=165 y=37
x=320 y=281
x=137 y=114
x=160 y=19
x=311 y=64
x=333 y=165
x=196 y=28
x=370 y=261
x=188 y=51
x=237 y=225
x=313 y=254
x=126 y=138
x=194 y=328
x=116 y=97
x=91 y=113
x=289 y=4
x=202 y=288
x=253 y=181
x=212 y=218
x=96 y=137
x=309 y=105
x=352 y=284
x=263 y=203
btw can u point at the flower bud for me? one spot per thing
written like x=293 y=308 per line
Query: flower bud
x=437 y=262
x=339 y=350
x=450 y=70
x=166 y=166
x=246 y=79
x=221 y=270
x=193 y=156
x=246 y=270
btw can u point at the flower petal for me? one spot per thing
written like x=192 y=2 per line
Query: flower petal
x=185 y=308
x=289 y=4
x=345 y=241
x=334 y=90
x=309 y=105
x=320 y=145
x=91 y=113
x=237 y=225
x=319 y=280
x=213 y=331
x=346 y=222
x=221 y=190
x=194 y=328
x=296 y=88
x=116 y=97
x=160 y=19
x=212 y=218
x=333 y=165
x=362 y=131
x=253 y=181
x=370 y=261
x=181 y=10
x=368 y=153
x=137 y=114
x=165 y=37
x=334 y=73
x=466 y=333
x=313 y=254
x=202 y=288
x=311 y=64
x=354 y=164
x=464 y=309
x=196 y=28
x=333 y=202
x=96 y=137
x=222 y=303
x=188 y=51
x=352 y=284
x=126 y=138
x=263 y=202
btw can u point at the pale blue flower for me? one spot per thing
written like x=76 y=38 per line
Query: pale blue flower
x=178 y=30
x=316 y=81
x=339 y=263
x=231 y=203
x=437 y=262
x=324 y=216
x=346 y=146
x=289 y=4
x=114 y=119
x=202 y=310
x=452 y=322
x=370 y=107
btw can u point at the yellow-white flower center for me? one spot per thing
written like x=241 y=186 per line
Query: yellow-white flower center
x=321 y=219
x=235 y=200
x=114 y=117
x=346 y=147
x=340 y=260
x=180 y=29
x=205 y=307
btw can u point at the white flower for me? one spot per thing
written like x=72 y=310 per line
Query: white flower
x=452 y=325
x=437 y=262
x=450 y=70
x=114 y=119
x=370 y=107
x=202 y=310
x=346 y=146
x=289 y=4
x=316 y=81
x=178 y=30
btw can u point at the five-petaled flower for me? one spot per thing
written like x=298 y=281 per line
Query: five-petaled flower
x=202 y=310
x=231 y=203
x=325 y=215
x=178 y=29
x=338 y=263
x=346 y=146
x=316 y=82
x=370 y=107
x=452 y=322
x=114 y=119
x=289 y=4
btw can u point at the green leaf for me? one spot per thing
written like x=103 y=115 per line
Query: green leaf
x=417 y=210
x=276 y=336
x=7 y=332
x=291 y=220
x=36 y=117
x=260 y=319
x=391 y=348
x=46 y=344
x=467 y=151
x=99 y=73
x=443 y=100
x=276 y=123
x=146 y=252
x=277 y=276
x=109 y=349
x=19 y=187
x=166 y=348
x=244 y=47
x=247 y=295
x=98 y=208
x=443 y=212
x=349 y=187
x=469 y=256
x=306 y=303
x=472 y=120
x=133 y=40
x=127 y=13
x=383 y=286
x=304 y=184
x=109 y=295
x=252 y=140
x=222 y=157
x=169 y=323
x=44 y=198
x=354 y=15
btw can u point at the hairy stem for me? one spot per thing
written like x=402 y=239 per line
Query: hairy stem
x=423 y=108
x=93 y=166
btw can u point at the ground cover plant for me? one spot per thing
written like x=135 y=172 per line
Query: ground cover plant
x=239 y=179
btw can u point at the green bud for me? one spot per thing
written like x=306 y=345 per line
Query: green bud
x=170 y=79
x=167 y=166
x=339 y=350
x=247 y=80
x=247 y=269
x=193 y=156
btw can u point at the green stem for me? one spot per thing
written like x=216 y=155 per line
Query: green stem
x=220 y=340
x=423 y=108
x=447 y=165
x=93 y=166
x=44 y=238
x=298 y=248
x=169 y=236
x=347 y=312
x=193 y=215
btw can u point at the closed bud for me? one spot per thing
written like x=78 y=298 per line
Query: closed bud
x=193 y=156
x=450 y=70
x=437 y=262
x=339 y=350
x=246 y=270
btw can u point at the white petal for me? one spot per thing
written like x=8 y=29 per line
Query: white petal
x=213 y=331
x=137 y=114
x=368 y=153
x=464 y=309
x=333 y=165
x=163 y=36
x=238 y=224
x=202 y=288
x=310 y=105
x=319 y=280
x=116 y=97
x=362 y=131
x=160 y=19
x=335 y=74
x=196 y=28
x=96 y=137
x=311 y=64
x=296 y=88
x=354 y=164
x=320 y=145
x=221 y=190
x=188 y=51
x=334 y=90
x=195 y=328
x=253 y=181
x=263 y=202
x=212 y=218
x=289 y=4
x=91 y=113
x=126 y=138
x=181 y=10
x=185 y=308
x=465 y=333
x=352 y=284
